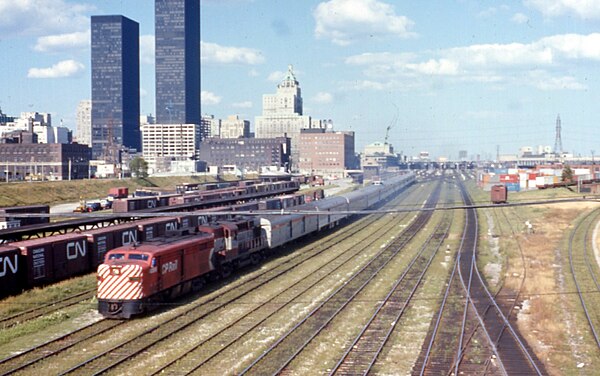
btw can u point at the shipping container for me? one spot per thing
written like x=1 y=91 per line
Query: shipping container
x=505 y=178
x=513 y=187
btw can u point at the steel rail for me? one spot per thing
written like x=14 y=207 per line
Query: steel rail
x=390 y=328
x=577 y=285
x=499 y=314
x=180 y=325
x=397 y=244
x=359 y=245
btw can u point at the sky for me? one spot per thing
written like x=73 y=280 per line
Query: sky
x=444 y=76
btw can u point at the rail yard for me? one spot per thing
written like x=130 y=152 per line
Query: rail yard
x=433 y=281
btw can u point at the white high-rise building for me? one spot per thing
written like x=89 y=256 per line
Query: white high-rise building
x=84 y=122
x=282 y=115
x=234 y=127
x=169 y=142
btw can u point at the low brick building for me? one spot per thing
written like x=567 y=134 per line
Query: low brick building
x=326 y=153
x=20 y=159
x=246 y=153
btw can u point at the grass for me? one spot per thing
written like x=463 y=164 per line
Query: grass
x=54 y=192
x=45 y=295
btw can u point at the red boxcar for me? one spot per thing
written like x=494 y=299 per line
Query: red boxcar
x=12 y=272
x=104 y=239
x=54 y=258
x=126 y=205
x=149 y=229
x=499 y=194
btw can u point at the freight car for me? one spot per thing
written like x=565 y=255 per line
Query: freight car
x=41 y=261
x=10 y=218
x=134 y=278
x=499 y=194
x=222 y=193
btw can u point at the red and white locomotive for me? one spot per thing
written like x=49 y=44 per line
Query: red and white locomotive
x=135 y=277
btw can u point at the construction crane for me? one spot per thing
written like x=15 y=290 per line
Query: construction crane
x=393 y=122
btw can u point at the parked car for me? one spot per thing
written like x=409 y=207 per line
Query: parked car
x=106 y=204
x=93 y=206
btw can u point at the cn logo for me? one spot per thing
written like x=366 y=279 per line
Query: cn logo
x=171 y=226
x=6 y=263
x=76 y=249
x=129 y=237
x=151 y=204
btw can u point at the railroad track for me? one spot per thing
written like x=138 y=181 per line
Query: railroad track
x=100 y=363
x=30 y=357
x=285 y=349
x=584 y=270
x=485 y=342
x=44 y=309
x=363 y=352
x=201 y=354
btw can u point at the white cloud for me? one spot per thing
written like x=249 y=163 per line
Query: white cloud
x=486 y=63
x=345 y=21
x=574 y=46
x=208 y=98
x=65 y=68
x=435 y=67
x=585 y=9
x=42 y=17
x=147 y=49
x=519 y=18
x=323 y=98
x=62 y=42
x=214 y=53
x=253 y=73
x=246 y=104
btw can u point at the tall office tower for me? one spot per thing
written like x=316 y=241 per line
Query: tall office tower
x=84 y=122
x=115 y=86
x=177 y=51
x=282 y=115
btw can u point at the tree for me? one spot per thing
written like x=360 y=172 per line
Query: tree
x=138 y=167
x=567 y=174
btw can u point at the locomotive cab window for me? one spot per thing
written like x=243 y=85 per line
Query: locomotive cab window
x=116 y=256
x=138 y=256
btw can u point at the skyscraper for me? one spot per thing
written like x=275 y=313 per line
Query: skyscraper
x=84 y=122
x=177 y=38
x=283 y=115
x=115 y=86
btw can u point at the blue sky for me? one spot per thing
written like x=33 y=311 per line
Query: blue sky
x=457 y=75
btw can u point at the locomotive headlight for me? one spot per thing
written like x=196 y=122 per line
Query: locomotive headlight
x=115 y=271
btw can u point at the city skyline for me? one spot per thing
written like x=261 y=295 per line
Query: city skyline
x=459 y=76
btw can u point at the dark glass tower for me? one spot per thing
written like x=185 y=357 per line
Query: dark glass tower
x=177 y=37
x=115 y=86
